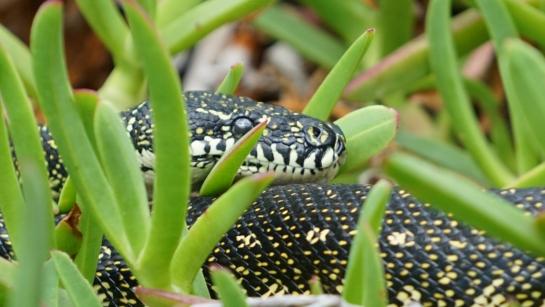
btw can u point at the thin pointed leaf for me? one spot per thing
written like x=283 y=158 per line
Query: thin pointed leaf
x=230 y=83
x=501 y=27
x=465 y=200
x=499 y=131
x=171 y=148
x=449 y=82
x=227 y=288
x=442 y=154
x=314 y=44
x=224 y=172
x=529 y=20
x=533 y=178
x=210 y=228
x=368 y=131
x=526 y=68
x=410 y=63
x=364 y=282
x=326 y=96
x=395 y=23
x=79 y=290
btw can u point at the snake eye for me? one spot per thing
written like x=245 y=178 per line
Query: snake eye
x=317 y=136
x=242 y=125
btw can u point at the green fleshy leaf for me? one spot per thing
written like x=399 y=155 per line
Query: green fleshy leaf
x=326 y=96
x=87 y=257
x=466 y=201
x=171 y=148
x=67 y=198
x=368 y=131
x=7 y=272
x=224 y=172
x=67 y=234
x=122 y=169
x=364 y=282
x=50 y=286
x=229 y=84
x=20 y=55
x=80 y=291
x=210 y=228
x=228 y=289
x=169 y=10
x=86 y=102
x=64 y=122
x=36 y=236
x=184 y=31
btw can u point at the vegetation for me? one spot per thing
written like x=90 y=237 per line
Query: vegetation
x=447 y=161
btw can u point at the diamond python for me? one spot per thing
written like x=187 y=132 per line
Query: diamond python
x=302 y=227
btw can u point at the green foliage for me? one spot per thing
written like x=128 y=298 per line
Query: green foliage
x=364 y=283
x=210 y=227
x=450 y=85
x=229 y=84
x=224 y=172
x=227 y=288
x=325 y=97
x=79 y=290
x=458 y=153
x=368 y=131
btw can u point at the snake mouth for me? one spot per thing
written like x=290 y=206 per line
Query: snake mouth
x=289 y=173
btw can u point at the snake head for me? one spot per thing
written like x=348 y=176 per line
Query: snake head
x=296 y=147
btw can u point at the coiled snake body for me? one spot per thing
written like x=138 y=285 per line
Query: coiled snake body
x=299 y=230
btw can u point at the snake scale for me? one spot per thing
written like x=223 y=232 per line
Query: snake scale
x=302 y=227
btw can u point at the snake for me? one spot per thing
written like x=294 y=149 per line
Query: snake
x=302 y=226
